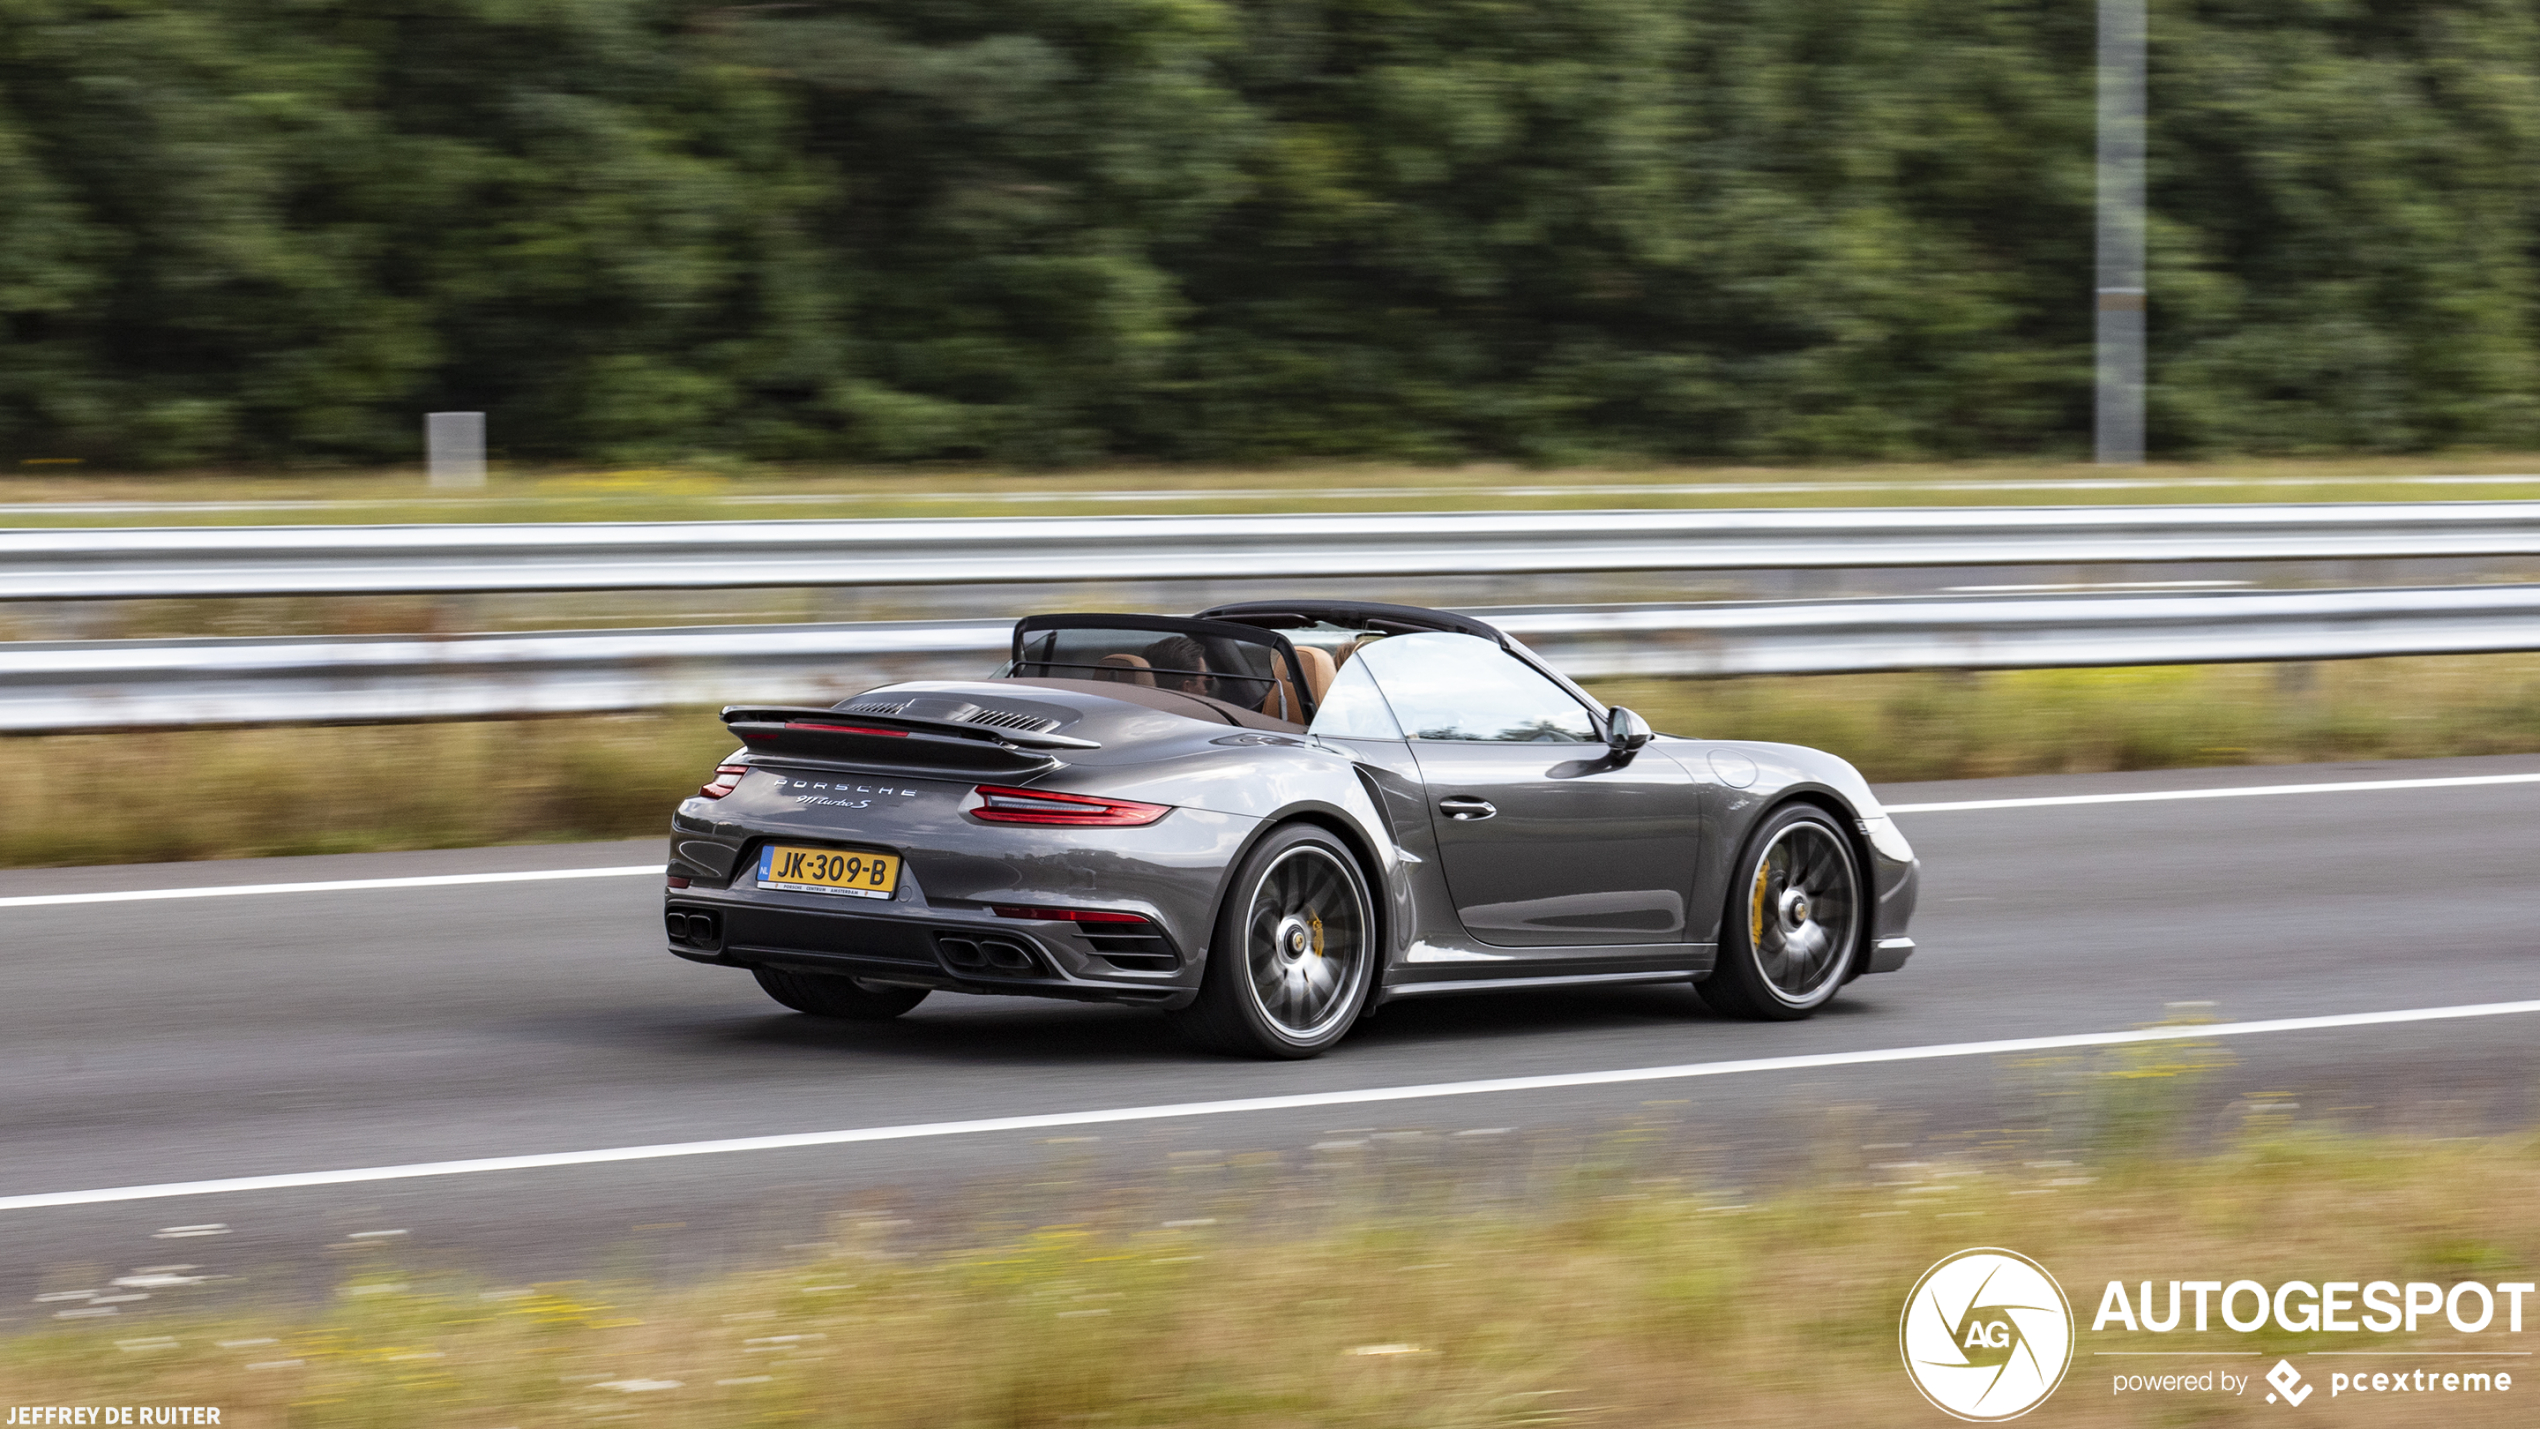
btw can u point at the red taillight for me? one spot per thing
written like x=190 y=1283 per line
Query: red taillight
x=1000 y=805
x=727 y=777
x=1063 y=915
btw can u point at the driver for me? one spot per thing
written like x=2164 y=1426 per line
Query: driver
x=1180 y=663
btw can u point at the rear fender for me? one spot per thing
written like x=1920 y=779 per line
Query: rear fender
x=1360 y=828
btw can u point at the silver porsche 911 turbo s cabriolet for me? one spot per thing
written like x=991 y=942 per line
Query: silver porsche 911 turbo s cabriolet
x=1265 y=819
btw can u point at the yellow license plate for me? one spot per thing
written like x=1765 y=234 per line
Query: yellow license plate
x=829 y=870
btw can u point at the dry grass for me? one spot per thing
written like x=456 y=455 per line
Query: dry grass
x=1946 y=725
x=197 y=794
x=527 y=493
x=126 y=798
x=1623 y=1300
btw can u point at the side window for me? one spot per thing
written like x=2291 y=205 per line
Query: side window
x=1442 y=686
x=1353 y=709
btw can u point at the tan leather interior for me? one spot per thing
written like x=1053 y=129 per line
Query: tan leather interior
x=1319 y=668
x=1125 y=670
x=1281 y=701
x=1353 y=647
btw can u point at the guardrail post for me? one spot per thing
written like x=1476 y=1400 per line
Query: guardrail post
x=454 y=447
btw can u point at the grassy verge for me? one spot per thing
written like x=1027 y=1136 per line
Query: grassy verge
x=1945 y=725
x=1624 y=1299
x=250 y=793
x=706 y=493
x=244 y=793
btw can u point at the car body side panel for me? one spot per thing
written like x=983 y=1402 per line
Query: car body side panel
x=1434 y=951
x=1583 y=849
x=1424 y=923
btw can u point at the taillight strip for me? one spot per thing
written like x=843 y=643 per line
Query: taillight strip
x=1001 y=804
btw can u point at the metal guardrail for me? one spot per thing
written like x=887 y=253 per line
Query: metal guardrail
x=105 y=564
x=87 y=685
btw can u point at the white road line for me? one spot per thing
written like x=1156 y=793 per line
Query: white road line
x=341 y=885
x=548 y=1160
x=2238 y=791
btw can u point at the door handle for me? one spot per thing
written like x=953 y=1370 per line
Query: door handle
x=1466 y=808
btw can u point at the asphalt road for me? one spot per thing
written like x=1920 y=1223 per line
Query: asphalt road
x=151 y=1042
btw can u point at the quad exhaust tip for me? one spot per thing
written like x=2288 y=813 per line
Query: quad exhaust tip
x=988 y=955
x=690 y=929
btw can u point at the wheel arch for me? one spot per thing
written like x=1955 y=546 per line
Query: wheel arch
x=1847 y=822
x=1377 y=871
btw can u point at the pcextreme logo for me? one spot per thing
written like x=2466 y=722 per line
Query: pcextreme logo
x=1986 y=1335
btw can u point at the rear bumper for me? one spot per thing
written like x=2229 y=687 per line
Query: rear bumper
x=948 y=950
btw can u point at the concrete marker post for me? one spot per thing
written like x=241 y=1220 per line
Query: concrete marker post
x=454 y=448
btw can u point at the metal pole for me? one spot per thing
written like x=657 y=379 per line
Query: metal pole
x=2120 y=289
x=454 y=448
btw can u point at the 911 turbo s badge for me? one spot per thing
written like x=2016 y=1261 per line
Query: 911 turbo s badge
x=810 y=794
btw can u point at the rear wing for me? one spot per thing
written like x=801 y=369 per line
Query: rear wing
x=831 y=736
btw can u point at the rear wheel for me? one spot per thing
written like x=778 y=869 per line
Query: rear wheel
x=842 y=997
x=1294 y=952
x=1793 y=924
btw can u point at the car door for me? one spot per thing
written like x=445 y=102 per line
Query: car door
x=1548 y=840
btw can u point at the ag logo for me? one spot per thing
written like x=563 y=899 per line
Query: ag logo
x=1987 y=1335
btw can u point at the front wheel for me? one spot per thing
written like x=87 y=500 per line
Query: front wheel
x=840 y=997
x=1294 y=952
x=1794 y=920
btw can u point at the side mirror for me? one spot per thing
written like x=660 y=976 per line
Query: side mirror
x=1625 y=732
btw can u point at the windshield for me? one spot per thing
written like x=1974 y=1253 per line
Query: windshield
x=1439 y=686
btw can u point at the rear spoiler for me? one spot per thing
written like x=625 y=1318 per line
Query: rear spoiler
x=828 y=734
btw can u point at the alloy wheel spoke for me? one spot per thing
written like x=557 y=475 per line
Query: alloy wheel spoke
x=1814 y=868
x=1316 y=974
x=1810 y=942
x=1306 y=894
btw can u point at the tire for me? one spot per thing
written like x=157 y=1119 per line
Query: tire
x=1795 y=922
x=1294 y=952
x=841 y=997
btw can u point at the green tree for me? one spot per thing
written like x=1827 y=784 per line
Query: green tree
x=1055 y=230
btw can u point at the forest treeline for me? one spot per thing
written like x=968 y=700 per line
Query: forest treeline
x=1062 y=230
